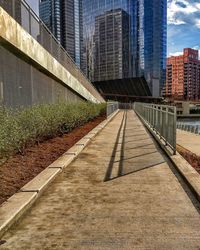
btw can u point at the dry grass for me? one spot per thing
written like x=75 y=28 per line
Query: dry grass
x=19 y=128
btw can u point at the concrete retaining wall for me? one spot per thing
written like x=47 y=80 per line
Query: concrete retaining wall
x=29 y=74
x=21 y=84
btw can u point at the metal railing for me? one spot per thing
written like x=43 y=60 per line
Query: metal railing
x=195 y=129
x=161 y=119
x=111 y=108
x=29 y=20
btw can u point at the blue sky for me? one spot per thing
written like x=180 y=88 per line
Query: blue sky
x=34 y=5
x=183 y=24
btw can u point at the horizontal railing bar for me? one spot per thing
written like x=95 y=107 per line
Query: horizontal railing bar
x=160 y=118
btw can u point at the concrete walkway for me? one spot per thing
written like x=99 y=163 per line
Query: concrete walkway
x=189 y=141
x=119 y=194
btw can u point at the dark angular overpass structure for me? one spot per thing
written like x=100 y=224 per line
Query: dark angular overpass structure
x=125 y=90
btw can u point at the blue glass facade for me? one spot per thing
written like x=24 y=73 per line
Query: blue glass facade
x=64 y=19
x=93 y=11
x=144 y=53
x=77 y=26
x=49 y=12
x=152 y=16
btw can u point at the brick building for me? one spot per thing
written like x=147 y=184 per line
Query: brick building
x=183 y=76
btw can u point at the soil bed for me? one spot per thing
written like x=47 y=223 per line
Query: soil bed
x=20 y=169
x=193 y=159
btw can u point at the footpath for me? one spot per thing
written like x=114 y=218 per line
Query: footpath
x=120 y=193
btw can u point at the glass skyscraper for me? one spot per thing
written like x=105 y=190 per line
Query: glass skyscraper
x=111 y=41
x=64 y=19
x=152 y=37
x=125 y=38
x=103 y=23
x=49 y=12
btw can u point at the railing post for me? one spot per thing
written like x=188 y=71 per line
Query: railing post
x=160 y=122
x=167 y=122
x=153 y=116
x=174 y=136
x=156 y=118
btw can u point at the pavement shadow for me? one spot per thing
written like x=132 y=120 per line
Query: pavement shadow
x=131 y=164
x=112 y=159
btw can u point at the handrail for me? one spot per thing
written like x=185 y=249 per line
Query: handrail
x=161 y=119
x=36 y=28
x=195 y=129
x=51 y=34
x=111 y=108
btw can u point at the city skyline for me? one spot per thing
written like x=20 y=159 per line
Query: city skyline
x=100 y=48
x=107 y=63
x=109 y=162
x=146 y=52
x=181 y=21
x=64 y=20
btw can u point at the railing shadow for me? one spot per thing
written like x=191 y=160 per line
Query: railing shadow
x=134 y=157
x=122 y=159
x=142 y=147
x=111 y=163
x=137 y=170
x=147 y=164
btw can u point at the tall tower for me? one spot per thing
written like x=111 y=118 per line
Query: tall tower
x=64 y=19
x=111 y=45
x=152 y=36
x=49 y=12
x=147 y=39
x=104 y=13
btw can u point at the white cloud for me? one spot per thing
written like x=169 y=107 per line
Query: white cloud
x=184 y=12
x=176 y=53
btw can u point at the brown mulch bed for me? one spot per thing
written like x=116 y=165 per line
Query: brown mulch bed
x=193 y=159
x=20 y=169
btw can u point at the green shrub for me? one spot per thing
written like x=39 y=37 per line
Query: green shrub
x=31 y=125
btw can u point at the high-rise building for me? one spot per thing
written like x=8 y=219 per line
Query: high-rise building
x=107 y=14
x=152 y=37
x=146 y=50
x=140 y=47
x=111 y=40
x=49 y=12
x=183 y=76
x=64 y=19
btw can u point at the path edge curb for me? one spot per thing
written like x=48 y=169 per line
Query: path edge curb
x=7 y=220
